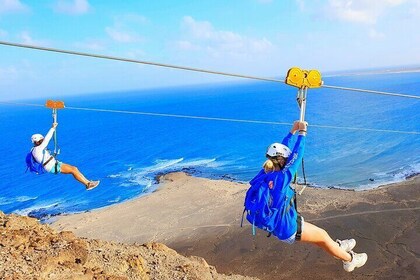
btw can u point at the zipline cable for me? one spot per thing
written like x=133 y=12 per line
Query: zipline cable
x=138 y=61
x=372 y=91
x=190 y=68
x=374 y=72
x=215 y=118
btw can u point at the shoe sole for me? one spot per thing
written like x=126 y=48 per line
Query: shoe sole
x=91 y=188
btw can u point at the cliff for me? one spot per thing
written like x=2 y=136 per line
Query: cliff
x=30 y=250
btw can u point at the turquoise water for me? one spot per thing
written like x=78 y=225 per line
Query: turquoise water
x=127 y=151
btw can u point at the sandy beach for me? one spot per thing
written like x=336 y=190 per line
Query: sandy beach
x=201 y=217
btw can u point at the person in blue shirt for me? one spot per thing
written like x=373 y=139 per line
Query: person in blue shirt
x=278 y=172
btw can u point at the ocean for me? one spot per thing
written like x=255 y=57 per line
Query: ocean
x=127 y=151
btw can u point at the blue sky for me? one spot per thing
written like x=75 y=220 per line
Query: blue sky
x=252 y=37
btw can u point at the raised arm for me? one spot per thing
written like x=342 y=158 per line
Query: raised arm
x=48 y=137
x=286 y=141
x=295 y=158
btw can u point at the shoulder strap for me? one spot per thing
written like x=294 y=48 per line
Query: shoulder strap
x=45 y=163
x=43 y=156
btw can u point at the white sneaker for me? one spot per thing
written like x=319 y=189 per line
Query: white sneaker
x=346 y=244
x=357 y=260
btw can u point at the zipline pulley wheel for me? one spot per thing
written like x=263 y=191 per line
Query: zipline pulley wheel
x=303 y=79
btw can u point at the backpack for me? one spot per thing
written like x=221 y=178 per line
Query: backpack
x=276 y=217
x=32 y=165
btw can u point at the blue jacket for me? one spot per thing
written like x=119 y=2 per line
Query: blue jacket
x=281 y=193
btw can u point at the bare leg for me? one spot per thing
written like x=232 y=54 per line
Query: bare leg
x=318 y=236
x=70 y=169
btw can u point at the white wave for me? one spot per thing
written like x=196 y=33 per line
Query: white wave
x=198 y=162
x=164 y=164
x=25 y=198
x=145 y=176
x=138 y=180
x=242 y=167
x=209 y=163
x=45 y=205
x=117 y=199
x=380 y=174
x=386 y=178
x=377 y=184
x=6 y=200
x=403 y=173
x=9 y=200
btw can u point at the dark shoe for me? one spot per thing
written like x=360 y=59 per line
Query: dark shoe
x=92 y=184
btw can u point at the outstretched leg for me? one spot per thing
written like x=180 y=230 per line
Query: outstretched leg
x=319 y=237
x=73 y=170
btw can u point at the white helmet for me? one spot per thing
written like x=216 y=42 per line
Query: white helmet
x=36 y=137
x=277 y=149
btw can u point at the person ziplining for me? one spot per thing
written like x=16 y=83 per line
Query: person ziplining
x=40 y=160
x=270 y=202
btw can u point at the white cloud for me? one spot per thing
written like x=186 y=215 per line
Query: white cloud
x=121 y=36
x=90 y=44
x=74 y=7
x=361 y=11
x=198 y=29
x=123 y=30
x=25 y=38
x=8 y=71
x=12 y=6
x=201 y=35
x=136 y=54
x=186 y=46
x=414 y=10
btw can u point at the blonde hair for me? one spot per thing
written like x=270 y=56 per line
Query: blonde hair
x=272 y=163
x=269 y=166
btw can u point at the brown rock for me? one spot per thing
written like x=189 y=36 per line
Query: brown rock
x=29 y=250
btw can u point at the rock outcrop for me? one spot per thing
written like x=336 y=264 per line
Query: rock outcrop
x=30 y=250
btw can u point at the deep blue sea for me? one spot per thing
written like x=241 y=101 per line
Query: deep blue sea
x=127 y=151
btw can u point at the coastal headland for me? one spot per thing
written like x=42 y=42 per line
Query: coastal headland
x=201 y=217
